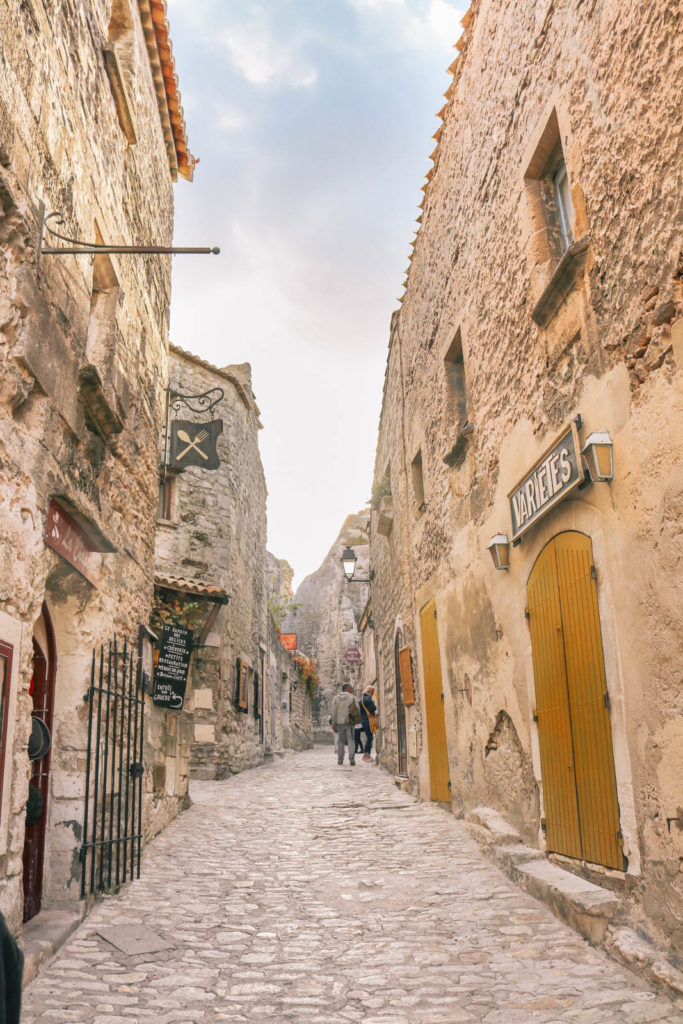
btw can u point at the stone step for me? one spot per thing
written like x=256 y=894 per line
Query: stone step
x=43 y=935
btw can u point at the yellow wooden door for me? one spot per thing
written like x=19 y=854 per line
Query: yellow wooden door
x=439 y=782
x=575 y=738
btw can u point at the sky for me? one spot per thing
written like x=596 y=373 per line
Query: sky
x=312 y=120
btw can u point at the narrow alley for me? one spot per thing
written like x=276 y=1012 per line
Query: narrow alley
x=301 y=892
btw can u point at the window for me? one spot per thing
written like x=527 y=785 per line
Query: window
x=418 y=482
x=167 y=492
x=563 y=201
x=456 y=388
x=549 y=196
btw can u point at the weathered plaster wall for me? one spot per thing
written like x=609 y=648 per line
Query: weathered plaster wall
x=62 y=145
x=610 y=350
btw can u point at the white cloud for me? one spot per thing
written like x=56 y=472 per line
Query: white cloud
x=229 y=119
x=264 y=59
x=414 y=24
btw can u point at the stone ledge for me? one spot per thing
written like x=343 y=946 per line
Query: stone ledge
x=492 y=827
x=561 y=282
x=586 y=907
x=644 y=958
x=43 y=935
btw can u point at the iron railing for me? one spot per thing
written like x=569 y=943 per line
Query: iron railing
x=112 y=818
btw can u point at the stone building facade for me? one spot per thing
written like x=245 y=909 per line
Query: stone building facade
x=543 y=306
x=326 y=615
x=211 y=552
x=91 y=127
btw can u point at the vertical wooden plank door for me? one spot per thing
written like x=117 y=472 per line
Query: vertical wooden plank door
x=575 y=739
x=439 y=782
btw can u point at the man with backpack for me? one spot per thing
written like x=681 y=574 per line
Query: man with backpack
x=343 y=717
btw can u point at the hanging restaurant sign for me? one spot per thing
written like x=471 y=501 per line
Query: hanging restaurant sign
x=194 y=444
x=288 y=641
x=352 y=656
x=170 y=673
x=553 y=477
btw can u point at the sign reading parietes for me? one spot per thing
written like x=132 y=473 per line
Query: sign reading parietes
x=194 y=444
x=170 y=674
x=553 y=477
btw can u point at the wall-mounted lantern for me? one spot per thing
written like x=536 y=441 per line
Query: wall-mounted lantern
x=500 y=551
x=597 y=452
x=348 y=561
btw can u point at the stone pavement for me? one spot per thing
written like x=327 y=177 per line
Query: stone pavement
x=302 y=893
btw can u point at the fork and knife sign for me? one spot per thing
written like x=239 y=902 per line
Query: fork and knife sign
x=195 y=444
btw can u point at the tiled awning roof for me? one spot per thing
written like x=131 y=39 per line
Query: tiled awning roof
x=155 y=27
x=184 y=586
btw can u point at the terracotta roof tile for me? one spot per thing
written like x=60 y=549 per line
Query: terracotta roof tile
x=190 y=586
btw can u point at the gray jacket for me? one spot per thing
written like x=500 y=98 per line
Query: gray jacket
x=345 y=709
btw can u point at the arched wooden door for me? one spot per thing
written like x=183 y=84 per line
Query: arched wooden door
x=439 y=776
x=42 y=693
x=572 y=705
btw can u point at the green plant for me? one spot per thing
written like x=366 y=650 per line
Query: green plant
x=173 y=609
x=380 y=489
x=280 y=607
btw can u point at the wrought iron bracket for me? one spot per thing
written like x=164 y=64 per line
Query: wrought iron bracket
x=78 y=248
x=205 y=402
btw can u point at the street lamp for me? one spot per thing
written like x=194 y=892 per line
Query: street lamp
x=597 y=452
x=500 y=551
x=348 y=561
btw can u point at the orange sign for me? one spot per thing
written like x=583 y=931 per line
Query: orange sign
x=288 y=641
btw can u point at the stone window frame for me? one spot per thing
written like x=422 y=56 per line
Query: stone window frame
x=558 y=251
x=417 y=483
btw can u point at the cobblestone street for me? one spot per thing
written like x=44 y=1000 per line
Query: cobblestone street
x=268 y=892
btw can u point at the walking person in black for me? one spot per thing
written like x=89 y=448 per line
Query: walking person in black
x=368 y=717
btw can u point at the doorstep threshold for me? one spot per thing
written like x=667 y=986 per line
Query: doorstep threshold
x=43 y=935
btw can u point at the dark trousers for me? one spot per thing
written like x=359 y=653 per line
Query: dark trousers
x=358 y=737
x=368 y=739
x=11 y=969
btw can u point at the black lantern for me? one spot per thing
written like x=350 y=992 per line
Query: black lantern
x=348 y=561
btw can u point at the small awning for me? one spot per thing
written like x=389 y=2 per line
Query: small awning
x=183 y=586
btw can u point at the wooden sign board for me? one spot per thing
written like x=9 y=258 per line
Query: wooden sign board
x=288 y=641
x=552 y=478
x=406 y=670
x=352 y=656
x=170 y=674
x=242 y=700
x=68 y=538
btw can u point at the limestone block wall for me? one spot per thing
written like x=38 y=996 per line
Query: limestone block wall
x=217 y=536
x=326 y=623
x=532 y=344
x=78 y=339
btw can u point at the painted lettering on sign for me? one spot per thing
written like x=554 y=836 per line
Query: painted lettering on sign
x=170 y=674
x=554 y=476
x=68 y=538
x=352 y=656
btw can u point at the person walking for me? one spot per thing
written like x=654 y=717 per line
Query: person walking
x=368 y=719
x=344 y=715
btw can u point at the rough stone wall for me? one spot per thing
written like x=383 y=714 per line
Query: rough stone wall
x=602 y=79
x=326 y=623
x=217 y=537
x=62 y=357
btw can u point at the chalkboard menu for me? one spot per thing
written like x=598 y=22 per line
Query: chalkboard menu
x=170 y=674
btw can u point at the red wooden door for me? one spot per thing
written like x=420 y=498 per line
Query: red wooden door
x=42 y=692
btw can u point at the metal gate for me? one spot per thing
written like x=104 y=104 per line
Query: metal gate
x=112 y=819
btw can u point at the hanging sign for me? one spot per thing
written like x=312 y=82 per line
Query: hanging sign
x=552 y=478
x=288 y=641
x=352 y=656
x=68 y=538
x=170 y=674
x=406 y=672
x=194 y=444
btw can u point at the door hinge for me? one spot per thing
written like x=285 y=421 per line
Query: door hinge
x=534 y=715
x=527 y=613
x=449 y=783
x=594 y=573
x=606 y=701
x=442 y=700
x=543 y=825
x=435 y=615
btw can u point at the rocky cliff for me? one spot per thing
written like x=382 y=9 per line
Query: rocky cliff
x=326 y=619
